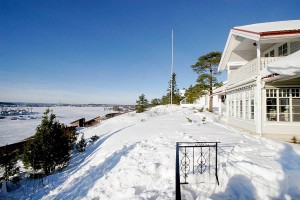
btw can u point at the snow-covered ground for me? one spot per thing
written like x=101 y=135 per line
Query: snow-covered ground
x=12 y=131
x=135 y=159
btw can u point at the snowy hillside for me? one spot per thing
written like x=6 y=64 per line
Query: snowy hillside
x=135 y=159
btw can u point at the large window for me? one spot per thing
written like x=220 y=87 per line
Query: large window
x=295 y=93
x=271 y=105
x=252 y=108
x=241 y=108
x=283 y=50
x=237 y=108
x=252 y=104
x=283 y=105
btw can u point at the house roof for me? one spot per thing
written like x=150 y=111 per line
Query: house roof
x=271 y=28
x=240 y=49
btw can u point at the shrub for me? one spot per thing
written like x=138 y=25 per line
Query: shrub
x=189 y=120
x=294 y=140
x=94 y=138
x=201 y=109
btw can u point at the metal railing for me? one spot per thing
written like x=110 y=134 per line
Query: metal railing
x=250 y=69
x=202 y=156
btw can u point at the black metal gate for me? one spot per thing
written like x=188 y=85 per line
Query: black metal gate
x=194 y=157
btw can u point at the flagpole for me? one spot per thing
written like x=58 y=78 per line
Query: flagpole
x=172 y=66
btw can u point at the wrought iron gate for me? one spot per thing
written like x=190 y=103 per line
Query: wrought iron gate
x=195 y=158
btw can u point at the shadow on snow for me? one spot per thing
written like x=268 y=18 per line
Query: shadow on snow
x=290 y=163
x=238 y=187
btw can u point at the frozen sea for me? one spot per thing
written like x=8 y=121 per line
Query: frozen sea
x=12 y=131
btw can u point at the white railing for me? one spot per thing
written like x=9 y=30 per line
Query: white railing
x=250 y=69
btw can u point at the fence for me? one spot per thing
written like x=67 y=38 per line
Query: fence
x=201 y=155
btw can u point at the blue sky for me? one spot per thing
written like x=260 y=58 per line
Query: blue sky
x=113 y=51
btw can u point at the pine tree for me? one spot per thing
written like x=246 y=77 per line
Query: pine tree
x=155 y=102
x=49 y=146
x=142 y=104
x=193 y=93
x=81 y=145
x=206 y=67
x=8 y=160
x=176 y=98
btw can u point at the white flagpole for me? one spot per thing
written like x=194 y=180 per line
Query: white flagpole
x=172 y=66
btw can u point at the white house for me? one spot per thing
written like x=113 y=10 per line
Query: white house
x=203 y=102
x=263 y=85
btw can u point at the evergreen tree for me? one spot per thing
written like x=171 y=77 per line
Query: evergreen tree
x=142 y=104
x=206 y=67
x=8 y=161
x=49 y=146
x=165 y=100
x=193 y=93
x=81 y=144
x=155 y=102
x=176 y=98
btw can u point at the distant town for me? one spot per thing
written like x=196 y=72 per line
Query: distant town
x=21 y=111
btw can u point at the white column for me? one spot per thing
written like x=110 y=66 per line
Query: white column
x=220 y=104
x=257 y=49
x=258 y=110
x=227 y=106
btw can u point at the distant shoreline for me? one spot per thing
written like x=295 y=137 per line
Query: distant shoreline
x=32 y=104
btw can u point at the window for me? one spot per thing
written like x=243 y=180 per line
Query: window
x=237 y=108
x=271 y=102
x=267 y=55
x=251 y=95
x=241 y=108
x=283 y=50
x=272 y=53
x=232 y=108
x=285 y=107
x=284 y=110
x=296 y=109
x=295 y=95
x=247 y=105
x=252 y=108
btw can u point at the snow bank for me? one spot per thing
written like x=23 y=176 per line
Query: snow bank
x=289 y=65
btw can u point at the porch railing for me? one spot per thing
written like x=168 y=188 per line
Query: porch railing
x=250 y=69
x=195 y=158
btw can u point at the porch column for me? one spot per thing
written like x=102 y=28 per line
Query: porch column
x=258 y=96
x=220 y=104
x=257 y=49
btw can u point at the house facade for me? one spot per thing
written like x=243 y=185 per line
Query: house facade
x=262 y=93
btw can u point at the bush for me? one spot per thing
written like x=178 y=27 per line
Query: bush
x=189 y=120
x=201 y=109
x=294 y=140
x=94 y=138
